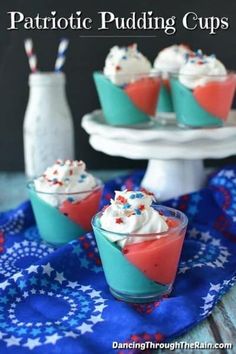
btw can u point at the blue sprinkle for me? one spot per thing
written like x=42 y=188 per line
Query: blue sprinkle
x=126 y=206
x=66 y=179
x=70 y=199
x=139 y=195
x=137 y=211
x=132 y=196
x=83 y=176
x=124 y=57
x=186 y=56
x=54 y=179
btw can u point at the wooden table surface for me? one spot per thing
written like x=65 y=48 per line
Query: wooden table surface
x=219 y=327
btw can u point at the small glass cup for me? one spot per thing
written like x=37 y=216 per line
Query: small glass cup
x=62 y=217
x=128 y=104
x=145 y=268
x=208 y=104
x=165 y=110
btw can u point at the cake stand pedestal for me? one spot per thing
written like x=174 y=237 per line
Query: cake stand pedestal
x=175 y=155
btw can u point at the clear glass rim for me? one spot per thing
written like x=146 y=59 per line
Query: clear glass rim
x=228 y=73
x=137 y=75
x=99 y=185
x=183 y=223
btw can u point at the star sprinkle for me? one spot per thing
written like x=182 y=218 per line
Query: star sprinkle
x=119 y=221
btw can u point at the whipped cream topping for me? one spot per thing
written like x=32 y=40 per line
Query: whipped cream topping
x=200 y=69
x=132 y=213
x=123 y=64
x=171 y=59
x=62 y=178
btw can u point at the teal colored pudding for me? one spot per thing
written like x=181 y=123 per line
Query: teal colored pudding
x=165 y=104
x=54 y=227
x=188 y=111
x=125 y=280
x=118 y=109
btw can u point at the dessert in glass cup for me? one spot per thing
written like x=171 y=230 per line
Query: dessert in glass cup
x=140 y=245
x=127 y=88
x=64 y=199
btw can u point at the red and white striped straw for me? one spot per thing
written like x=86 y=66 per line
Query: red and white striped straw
x=30 y=54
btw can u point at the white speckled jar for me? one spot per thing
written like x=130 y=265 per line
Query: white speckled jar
x=48 y=125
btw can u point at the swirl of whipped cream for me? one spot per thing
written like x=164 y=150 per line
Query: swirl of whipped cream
x=62 y=178
x=171 y=59
x=123 y=64
x=200 y=69
x=131 y=213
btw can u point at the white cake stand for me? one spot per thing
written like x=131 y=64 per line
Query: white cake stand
x=175 y=154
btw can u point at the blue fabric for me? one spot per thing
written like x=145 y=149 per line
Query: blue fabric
x=57 y=300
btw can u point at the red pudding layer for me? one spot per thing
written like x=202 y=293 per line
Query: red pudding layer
x=157 y=259
x=144 y=94
x=216 y=97
x=82 y=212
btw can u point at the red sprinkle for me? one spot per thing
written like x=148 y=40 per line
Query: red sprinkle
x=121 y=199
x=119 y=221
x=71 y=172
x=142 y=207
x=55 y=172
x=146 y=191
x=118 y=68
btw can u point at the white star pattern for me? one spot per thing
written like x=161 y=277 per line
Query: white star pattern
x=85 y=288
x=205 y=236
x=208 y=298
x=32 y=343
x=71 y=334
x=229 y=173
x=214 y=291
x=10 y=261
x=4 y=284
x=215 y=287
x=94 y=294
x=17 y=276
x=193 y=232
x=47 y=269
x=100 y=308
x=72 y=285
x=52 y=339
x=59 y=277
x=208 y=246
x=32 y=269
x=93 y=304
x=12 y=341
x=84 y=328
x=96 y=319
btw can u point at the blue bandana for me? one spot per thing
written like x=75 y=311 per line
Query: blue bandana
x=57 y=300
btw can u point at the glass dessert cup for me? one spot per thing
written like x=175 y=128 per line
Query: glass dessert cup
x=207 y=105
x=62 y=217
x=142 y=271
x=165 y=110
x=130 y=104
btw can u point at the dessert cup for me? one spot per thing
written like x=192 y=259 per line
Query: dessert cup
x=131 y=104
x=142 y=271
x=165 y=110
x=207 y=105
x=70 y=218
